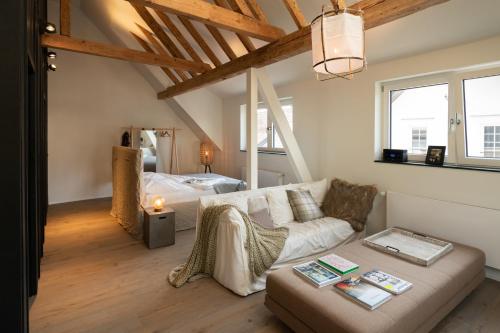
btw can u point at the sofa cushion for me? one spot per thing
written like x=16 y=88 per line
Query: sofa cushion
x=279 y=207
x=304 y=207
x=318 y=190
x=308 y=238
x=258 y=210
x=349 y=202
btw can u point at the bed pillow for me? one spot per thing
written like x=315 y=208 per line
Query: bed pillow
x=349 y=202
x=318 y=190
x=279 y=207
x=304 y=207
x=258 y=210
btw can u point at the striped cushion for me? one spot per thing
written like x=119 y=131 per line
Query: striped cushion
x=303 y=205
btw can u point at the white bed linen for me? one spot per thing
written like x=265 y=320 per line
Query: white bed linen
x=171 y=187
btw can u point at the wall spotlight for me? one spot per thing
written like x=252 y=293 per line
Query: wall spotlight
x=51 y=55
x=52 y=67
x=50 y=28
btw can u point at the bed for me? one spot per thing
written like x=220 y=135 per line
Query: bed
x=134 y=190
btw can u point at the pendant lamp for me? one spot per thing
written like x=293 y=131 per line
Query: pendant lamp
x=338 y=43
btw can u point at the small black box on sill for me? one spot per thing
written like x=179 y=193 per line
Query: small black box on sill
x=395 y=155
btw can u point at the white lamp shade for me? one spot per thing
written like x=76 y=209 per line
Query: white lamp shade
x=343 y=40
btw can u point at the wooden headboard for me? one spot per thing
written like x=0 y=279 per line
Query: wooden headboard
x=127 y=179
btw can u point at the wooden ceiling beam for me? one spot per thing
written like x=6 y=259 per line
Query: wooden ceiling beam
x=296 y=13
x=258 y=13
x=243 y=7
x=116 y=52
x=149 y=49
x=245 y=40
x=199 y=39
x=158 y=31
x=222 y=42
x=217 y=16
x=65 y=17
x=178 y=35
x=160 y=49
x=299 y=42
x=339 y=4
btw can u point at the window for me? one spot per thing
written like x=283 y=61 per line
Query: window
x=491 y=144
x=418 y=140
x=267 y=134
x=459 y=110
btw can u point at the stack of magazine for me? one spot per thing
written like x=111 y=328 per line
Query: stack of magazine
x=371 y=289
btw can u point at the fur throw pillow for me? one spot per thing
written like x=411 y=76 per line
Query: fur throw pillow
x=349 y=202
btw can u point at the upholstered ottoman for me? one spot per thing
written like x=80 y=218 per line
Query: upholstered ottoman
x=437 y=289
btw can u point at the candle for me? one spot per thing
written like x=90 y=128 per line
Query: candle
x=158 y=203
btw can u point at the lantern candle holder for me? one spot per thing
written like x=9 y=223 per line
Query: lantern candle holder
x=207 y=156
x=158 y=203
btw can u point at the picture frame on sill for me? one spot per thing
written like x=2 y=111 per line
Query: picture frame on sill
x=435 y=155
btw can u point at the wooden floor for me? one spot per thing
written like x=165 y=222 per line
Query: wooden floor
x=96 y=278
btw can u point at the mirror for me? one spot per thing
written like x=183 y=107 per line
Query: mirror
x=149 y=147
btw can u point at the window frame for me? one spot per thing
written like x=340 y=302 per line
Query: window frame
x=457 y=144
x=419 y=82
x=271 y=128
x=462 y=126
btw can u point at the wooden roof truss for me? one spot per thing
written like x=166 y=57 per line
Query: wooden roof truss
x=166 y=45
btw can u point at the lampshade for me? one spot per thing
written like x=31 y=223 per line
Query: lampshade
x=338 y=44
x=206 y=153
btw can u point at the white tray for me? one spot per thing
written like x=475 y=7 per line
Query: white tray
x=417 y=248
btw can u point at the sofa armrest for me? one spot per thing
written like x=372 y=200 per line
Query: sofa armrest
x=231 y=263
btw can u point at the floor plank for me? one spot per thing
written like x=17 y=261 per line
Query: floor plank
x=97 y=279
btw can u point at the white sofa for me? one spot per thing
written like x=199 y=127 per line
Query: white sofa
x=309 y=239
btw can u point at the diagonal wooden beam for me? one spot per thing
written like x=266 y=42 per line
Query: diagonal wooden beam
x=217 y=16
x=299 y=42
x=257 y=11
x=149 y=49
x=65 y=17
x=245 y=40
x=296 y=13
x=222 y=42
x=199 y=39
x=121 y=53
x=243 y=7
x=338 y=4
x=178 y=35
x=160 y=49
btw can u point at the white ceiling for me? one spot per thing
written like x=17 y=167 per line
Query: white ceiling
x=448 y=24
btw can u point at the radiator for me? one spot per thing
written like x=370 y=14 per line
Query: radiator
x=470 y=225
x=267 y=178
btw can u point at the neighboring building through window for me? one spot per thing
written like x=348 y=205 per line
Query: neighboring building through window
x=267 y=134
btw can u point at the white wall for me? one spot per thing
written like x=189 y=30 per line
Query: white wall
x=90 y=99
x=335 y=127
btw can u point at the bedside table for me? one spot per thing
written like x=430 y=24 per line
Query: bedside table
x=159 y=227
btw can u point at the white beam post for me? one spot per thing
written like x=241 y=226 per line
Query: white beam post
x=251 y=114
x=290 y=144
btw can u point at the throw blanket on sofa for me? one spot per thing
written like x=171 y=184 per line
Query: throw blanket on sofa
x=264 y=247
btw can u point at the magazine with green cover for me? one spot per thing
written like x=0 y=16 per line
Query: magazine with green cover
x=338 y=264
x=386 y=281
x=316 y=274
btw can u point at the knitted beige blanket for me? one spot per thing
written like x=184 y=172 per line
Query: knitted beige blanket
x=264 y=247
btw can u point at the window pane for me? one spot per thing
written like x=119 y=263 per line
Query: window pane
x=262 y=127
x=288 y=109
x=482 y=116
x=419 y=117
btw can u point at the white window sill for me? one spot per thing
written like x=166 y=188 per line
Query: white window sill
x=446 y=166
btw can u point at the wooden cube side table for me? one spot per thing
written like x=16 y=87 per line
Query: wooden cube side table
x=159 y=227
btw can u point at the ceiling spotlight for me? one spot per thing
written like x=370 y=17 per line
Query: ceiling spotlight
x=51 y=55
x=50 y=28
x=52 y=67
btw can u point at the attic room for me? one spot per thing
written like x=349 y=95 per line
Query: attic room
x=251 y=166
